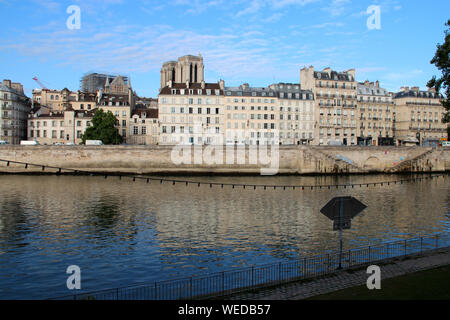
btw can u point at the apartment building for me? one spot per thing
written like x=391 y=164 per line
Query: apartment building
x=376 y=112
x=14 y=109
x=191 y=113
x=56 y=100
x=336 y=105
x=251 y=115
x=58 y=127
x=419 y=116
x=144 y=126
x=296 y=114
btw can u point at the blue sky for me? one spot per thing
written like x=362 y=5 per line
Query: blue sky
x=258 y=41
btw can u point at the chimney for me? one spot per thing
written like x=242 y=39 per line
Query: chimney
x=416 y=89
x=203 y=84
x=187 y=84
x=170 y=83
x=352 y=72
x=432 y=89
x=366 y=83
x=327 y=70
x=377 y=84
x=7 y=83
x=404 y=89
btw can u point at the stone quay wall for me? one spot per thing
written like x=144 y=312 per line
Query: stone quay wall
x=295 y=160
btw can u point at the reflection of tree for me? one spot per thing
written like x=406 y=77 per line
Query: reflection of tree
x=14 y=225
x=106 y=216
x=103 y=214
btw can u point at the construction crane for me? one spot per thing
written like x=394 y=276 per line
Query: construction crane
x=39 y=83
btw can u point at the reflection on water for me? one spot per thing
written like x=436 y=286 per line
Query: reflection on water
x=120 y=232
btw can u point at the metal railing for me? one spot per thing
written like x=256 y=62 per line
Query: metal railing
x=223 y=283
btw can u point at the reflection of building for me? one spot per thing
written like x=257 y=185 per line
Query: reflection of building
x=335 y=96
x=14 y=109
x=376 y=114
x=187 y=69
x=419 y=116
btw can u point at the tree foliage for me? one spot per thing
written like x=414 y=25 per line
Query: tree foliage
x=442 y=61
x=103 y=128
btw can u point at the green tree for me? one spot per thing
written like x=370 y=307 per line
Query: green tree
x=442 y=61
x=103 y=128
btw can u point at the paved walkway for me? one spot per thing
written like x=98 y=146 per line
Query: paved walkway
x=347 y=278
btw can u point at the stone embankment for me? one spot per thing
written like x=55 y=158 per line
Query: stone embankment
x=227 y=159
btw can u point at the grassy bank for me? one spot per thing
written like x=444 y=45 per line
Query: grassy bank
x=433 y=284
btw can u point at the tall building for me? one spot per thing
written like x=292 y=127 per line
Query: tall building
x=14 y=109
x=419 y=116
x=296 y=114
x=92 y=82
x=251 y=115
x=335 y=101
x=187 y=69
x=376 y=112
x=191 y=113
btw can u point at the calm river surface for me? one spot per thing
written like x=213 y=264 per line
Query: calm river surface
x=121 y=232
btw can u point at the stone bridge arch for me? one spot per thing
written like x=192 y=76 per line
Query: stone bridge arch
x=373 y=164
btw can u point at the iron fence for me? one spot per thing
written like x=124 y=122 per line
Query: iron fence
x=228 y=282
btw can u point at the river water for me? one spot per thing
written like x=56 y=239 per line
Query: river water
x=121 y=232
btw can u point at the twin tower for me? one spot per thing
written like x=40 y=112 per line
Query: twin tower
x=186 y=69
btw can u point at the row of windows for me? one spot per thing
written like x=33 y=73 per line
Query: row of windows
x=213 y=120
x=56 y=123
x=244 y=125
x=237 y=100
x=282 y=109
x=190 y=101
x=191 y=110
x=182 y=129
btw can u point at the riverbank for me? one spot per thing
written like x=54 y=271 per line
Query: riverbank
x=430 y=284
x=226 y=160
x=328 y=287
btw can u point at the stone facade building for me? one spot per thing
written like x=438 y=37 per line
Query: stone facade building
x=296 y=114
x=191 y=113
x=58 y=127
x=336 y=105
x=376 y=112
x=144 y=126
x=251 y=115
x=14 y=109
x=419 y=116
